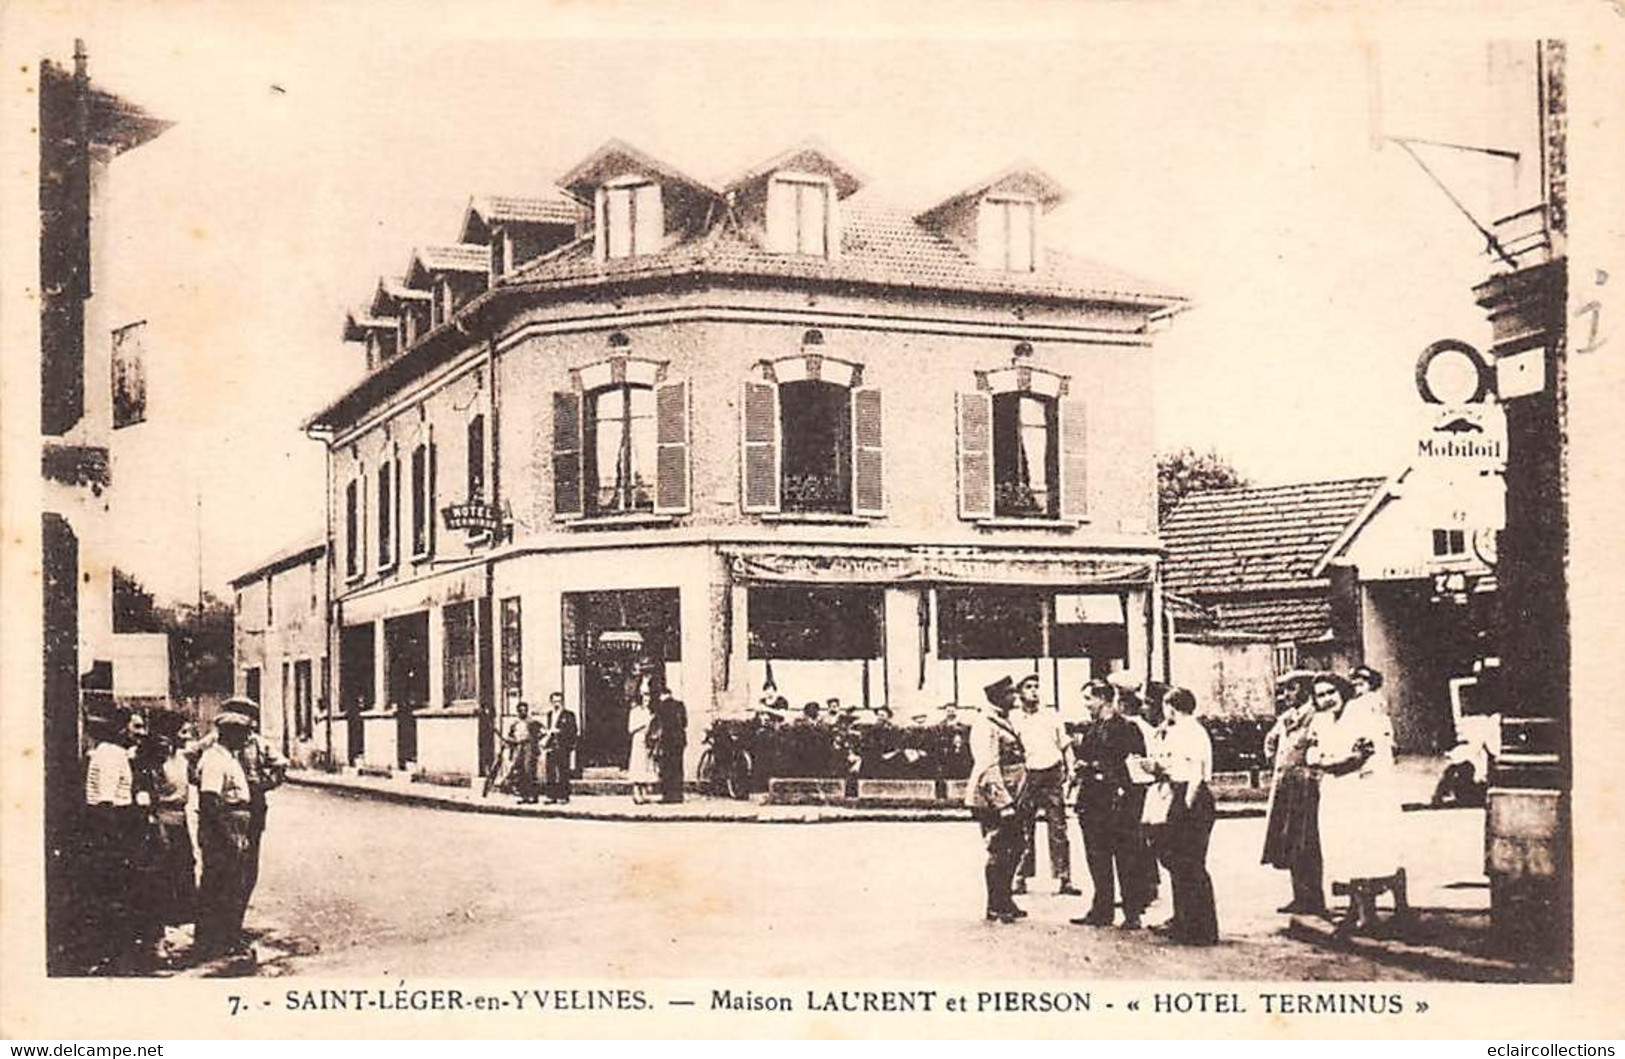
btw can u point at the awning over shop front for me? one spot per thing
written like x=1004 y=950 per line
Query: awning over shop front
x=938 y=567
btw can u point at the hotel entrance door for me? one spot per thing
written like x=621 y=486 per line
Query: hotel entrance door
x=614 y=639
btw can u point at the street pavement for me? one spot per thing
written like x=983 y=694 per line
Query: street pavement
x=359 y=887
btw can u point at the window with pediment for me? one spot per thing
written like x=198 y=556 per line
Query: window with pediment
x=812 y=440
x=621 y=442
x=1022 y=443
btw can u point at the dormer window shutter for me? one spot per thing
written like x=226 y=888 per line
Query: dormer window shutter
x=759 y=445
x=648 y=219
x=990 y=234
x=1074 y=428
x=975 y=441
x=601 y=224
x=781 y=217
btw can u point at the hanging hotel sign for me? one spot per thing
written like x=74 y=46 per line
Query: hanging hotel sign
x=476 y=517
x=846 y=568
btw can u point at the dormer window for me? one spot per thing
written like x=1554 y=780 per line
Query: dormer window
x=501 y=252
x=631 y=219
x=799 y=217
x=444 y=303
x=1007 y=233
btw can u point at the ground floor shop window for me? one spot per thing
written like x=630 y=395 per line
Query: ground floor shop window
x=613 y=641
x=1067 y=638
x=461 y=654
x=814 y=643
x=513 y=663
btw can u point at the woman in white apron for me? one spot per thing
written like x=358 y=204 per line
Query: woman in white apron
x=1359 y=805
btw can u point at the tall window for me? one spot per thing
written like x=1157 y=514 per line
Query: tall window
x=513 y=652
x=352 y=529
x=386 y=515
x=421 y=502
x=1026 y=456
x=1008 y=234
x=270 y=600
x=461 y=654
x=620 y=449
x=816 y=426
x=304 y=709
x=476 y=459
x=251 y=682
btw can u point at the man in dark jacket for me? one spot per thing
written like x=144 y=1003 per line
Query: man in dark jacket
x=669 y=736
x=1109 y=805
x=560 y=734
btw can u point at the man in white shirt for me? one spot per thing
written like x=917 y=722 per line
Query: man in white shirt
x=224 y=823
x=1043 y=735
x=1185 y=759
x=110 y=841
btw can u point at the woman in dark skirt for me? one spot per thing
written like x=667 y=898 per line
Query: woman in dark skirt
x=1292 y=831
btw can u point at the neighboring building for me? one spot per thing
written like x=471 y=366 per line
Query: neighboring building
x=1251 y=557
x=1394 y=573
x=280 y=648
x=92 y=384
x=764 y=436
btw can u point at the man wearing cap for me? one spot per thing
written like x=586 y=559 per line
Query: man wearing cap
x=996 y=795
x=1044 y=738
x=224 y=821
x=265 y=769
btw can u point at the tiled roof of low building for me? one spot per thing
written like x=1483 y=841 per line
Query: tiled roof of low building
x=525 y=209
x=880 y=246
x=297 y=554
x=1258 y=539
x=1279 y=618
x=456 y=257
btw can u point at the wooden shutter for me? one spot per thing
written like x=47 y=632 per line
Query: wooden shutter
x=1074 y=431
x=759 y=460
x=672 y=485
x=433 y=497
x=650 y=219
x=868 y=456
x=600 y=243
x=975 y=436
x=781 y=216
x=567 y=454
x=990 y=234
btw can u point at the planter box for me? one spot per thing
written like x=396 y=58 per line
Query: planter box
x=898 y=792
x=444 y=779
x=806 y=791
x=954 y=790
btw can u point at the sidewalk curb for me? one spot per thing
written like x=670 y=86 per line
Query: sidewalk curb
x=701 y=811
x=1432 y=960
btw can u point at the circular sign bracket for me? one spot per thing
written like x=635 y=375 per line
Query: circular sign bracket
x=1433 y=362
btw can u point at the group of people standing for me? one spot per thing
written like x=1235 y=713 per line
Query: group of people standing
x=657 y=724
x=1138 y=776
x=1334 y=813
x=145 y=785
x=538 y=753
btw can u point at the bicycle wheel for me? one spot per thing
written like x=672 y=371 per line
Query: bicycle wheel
x=739 y=777
x=706 y=771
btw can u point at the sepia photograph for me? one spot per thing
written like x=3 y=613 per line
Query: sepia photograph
x=521 y=496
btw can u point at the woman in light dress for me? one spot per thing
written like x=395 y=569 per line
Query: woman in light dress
x=1360 y=816
x=640 y=762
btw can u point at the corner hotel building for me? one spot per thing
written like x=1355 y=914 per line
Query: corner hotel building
x=759 y=435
